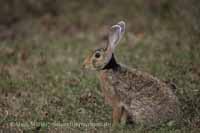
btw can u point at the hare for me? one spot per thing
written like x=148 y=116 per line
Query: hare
x=132 y=94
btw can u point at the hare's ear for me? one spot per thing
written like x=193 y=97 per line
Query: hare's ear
x=115 y=34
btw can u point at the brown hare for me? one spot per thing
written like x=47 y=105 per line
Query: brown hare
x=132 y=94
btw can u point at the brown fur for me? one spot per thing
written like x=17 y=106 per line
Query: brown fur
x=146 y=99
x=131 y=93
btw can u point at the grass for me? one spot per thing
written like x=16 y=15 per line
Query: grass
x=42 y=86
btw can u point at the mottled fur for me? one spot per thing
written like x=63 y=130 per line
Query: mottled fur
x=133 y=95
x=146 y=99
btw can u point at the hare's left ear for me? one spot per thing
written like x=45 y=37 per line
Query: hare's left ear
x=115 y=35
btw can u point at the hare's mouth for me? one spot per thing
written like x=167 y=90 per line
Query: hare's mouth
x=87 y=67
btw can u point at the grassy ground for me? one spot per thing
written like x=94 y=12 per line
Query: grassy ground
x=42 y=86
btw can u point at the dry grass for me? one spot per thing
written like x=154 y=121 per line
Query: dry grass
x=42 y=86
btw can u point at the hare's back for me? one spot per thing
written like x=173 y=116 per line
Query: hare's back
x=140 y=84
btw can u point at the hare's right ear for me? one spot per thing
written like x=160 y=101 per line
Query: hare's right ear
x=115 y=35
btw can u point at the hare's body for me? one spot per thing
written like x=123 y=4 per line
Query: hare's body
x=138 y=95
x=133 y=95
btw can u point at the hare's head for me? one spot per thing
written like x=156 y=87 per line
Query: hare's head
x=99 y=58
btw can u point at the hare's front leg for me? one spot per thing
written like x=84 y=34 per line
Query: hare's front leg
x=116 y=115
x=124 y=116
x=120 y=115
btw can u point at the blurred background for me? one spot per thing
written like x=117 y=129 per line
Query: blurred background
x=43 y=43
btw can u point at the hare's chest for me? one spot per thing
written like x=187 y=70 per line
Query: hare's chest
x=107 y=87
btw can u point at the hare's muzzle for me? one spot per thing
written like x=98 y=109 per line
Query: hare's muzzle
x=85 y=64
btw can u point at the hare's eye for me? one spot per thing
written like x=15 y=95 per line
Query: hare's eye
x=97 y=55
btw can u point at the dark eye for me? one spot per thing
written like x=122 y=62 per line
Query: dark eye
x=97 y=55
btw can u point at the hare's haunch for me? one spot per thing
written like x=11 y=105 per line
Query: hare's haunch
x=132 y=94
